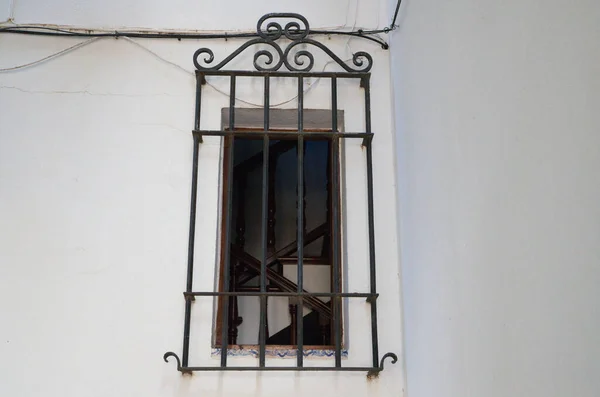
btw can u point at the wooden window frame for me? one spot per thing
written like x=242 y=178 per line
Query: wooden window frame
x=285 y=120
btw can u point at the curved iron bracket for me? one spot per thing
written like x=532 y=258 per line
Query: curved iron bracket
x=171 y=354
x=179 y=367
x=273 y=56
x=375 y=371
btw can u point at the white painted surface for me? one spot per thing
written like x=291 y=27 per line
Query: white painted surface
x=5 y=6
x=499 y=151
x=95 y=158
x=196 y=15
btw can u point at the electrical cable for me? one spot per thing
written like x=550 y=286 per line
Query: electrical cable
x=51 y=31
x=13 y=5
x=393 y=25
x=353 y=27
x=157 y=56
x=310 y=87
x=347 y=13
x=44 y=30
x=371 y=35
x=11 y=12
x=51 y=56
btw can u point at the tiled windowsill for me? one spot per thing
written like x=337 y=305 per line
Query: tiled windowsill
x=277 y=352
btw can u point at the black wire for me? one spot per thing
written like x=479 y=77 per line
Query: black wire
x=49 y=31
x=393 y=25
x=371 y=35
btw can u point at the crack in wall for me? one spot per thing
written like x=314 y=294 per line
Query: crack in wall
x=90 y=93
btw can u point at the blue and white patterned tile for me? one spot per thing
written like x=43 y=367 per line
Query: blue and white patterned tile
x=279 y=352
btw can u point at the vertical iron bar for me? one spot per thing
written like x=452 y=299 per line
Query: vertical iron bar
x=227 y=259
x=192 y=229
x=373 y=301
x=335 y=234
x=263 y=265
x=293 y=309
x=300 y=222
x=240 y=241
x=199 y=82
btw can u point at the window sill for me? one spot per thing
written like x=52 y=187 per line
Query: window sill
x=277 y=352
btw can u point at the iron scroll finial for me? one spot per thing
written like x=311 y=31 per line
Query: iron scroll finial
x=292 y=30
x=273 y=56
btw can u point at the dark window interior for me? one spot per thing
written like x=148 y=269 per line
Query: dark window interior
x=281 y=226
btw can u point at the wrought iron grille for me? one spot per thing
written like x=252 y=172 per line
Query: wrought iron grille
x=299 y=63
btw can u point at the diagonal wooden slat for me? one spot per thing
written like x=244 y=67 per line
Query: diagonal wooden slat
x=289 y=249
x=280 y=281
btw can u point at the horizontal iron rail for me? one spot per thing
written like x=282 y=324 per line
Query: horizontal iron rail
x=362 y=369
x=294 y=294
x=251 y=73
x=295 y=134
x=371 y=371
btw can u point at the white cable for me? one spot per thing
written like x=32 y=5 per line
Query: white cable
x=66 y=29
x=353 y=26
x=143 y=47
x=157 y=56
x=189 y=72
x=347 y=14
x=219 y=90
x=378 y=14
x=259 y=105
x=52 y=56
x=11 y=14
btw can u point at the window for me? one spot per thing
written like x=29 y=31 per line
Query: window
x=281 y=225
x=281 y=196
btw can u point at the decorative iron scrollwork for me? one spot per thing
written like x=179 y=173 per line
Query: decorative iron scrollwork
x=292 y=30
x=273 y=56
x=282 y=44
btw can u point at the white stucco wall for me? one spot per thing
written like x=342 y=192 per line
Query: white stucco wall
x=95 y=168
x=5 y=8
x=499 y=151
